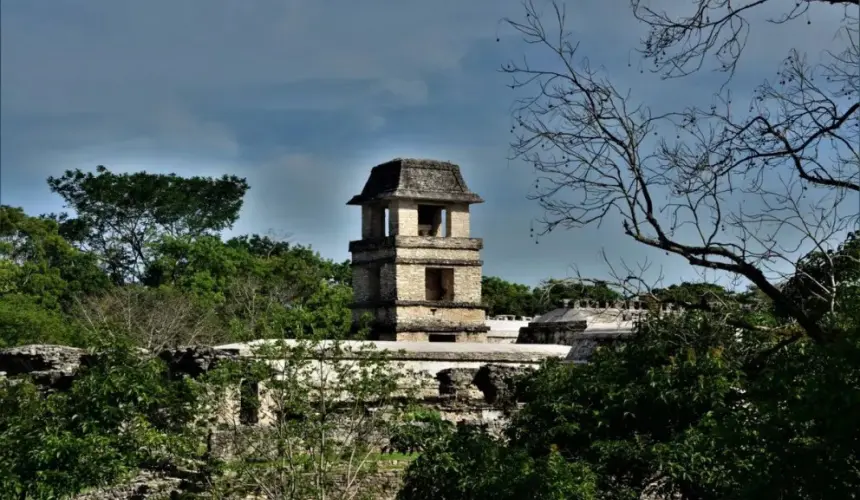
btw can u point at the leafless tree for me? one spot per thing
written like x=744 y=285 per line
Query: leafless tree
x=740 y=189
x=252 y=305
x=152 y=319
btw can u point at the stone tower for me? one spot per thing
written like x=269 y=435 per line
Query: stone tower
x=416 y=270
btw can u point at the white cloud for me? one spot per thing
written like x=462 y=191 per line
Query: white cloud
x=97 y=57
x=190 y=87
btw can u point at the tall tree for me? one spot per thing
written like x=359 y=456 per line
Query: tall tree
x=35 y=260
x=793 y=153
x=42 y=277
x=504 y=297
x=553 y=291
x=119 y=216
x=683 y=410
x=827 y=283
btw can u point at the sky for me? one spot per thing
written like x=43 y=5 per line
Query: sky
x=303 y=97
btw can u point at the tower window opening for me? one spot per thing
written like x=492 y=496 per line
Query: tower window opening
x=430 y=220
x=439 y=284
x=386 y=223
x=377 y=221
x=374 y=284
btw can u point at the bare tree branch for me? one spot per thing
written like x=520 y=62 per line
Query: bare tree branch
x=794 y=157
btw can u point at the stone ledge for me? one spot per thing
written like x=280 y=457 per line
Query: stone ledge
x=429 y=327
x=441 y=304
x=413 y=261
x=427 y=351
x=434 y=242
x=567 y=326
x=57 y=366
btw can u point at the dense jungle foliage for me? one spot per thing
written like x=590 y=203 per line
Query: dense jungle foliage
x=728 y=400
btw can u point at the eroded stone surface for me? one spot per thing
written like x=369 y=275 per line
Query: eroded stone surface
x=51 y=366
x=498 y=383
x=40 y=358
x=56 y=366
x=194 y=360
x=457 y=382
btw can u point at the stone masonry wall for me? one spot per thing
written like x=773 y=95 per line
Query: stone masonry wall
x=410 y=282
x=372 y=221
x=437 y=253
x=448 y=315
x=366 y=221
x=458 y=220
x=475 y=384
x=387 y=281
x=372 y=255
x=361 y=246
x=457 y=337
x=461 y=383
x=423 y=314
x=403 y=218
x=467 y=284
x=416 y=253
x=361 y=284
x=383 y=315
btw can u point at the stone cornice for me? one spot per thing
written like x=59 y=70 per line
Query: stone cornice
x=418 y=303
x=567 y=326
x=390 y=259
x=430 y=327
x=433 y=242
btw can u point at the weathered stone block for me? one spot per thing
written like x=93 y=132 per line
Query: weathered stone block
x=467 y=284
x=49 y=366
x=403 y=218
x=498 y=383
x=457 y=383
x=27 y=359
x=433 y=314
x=194 y=360
x=458 y=221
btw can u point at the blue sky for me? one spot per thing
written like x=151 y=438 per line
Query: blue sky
x=302 y=97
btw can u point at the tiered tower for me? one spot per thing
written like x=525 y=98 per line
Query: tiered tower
x=416 y=270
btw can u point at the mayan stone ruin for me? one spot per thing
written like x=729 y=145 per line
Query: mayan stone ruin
x=417 y=274
x=416 y=268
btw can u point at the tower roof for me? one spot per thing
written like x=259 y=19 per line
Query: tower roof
x=416 y=179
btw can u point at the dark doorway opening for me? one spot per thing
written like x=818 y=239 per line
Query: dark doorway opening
x=438 y=284
x=432 y=220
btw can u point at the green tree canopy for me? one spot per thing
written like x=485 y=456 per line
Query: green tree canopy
x=827 y=283
x=693 y=406
x=504 y=297
x=554 y=291
x=118 y=216
x=36 y=260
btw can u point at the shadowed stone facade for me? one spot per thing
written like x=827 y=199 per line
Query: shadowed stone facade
x=588 y=325
x=416 y=268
